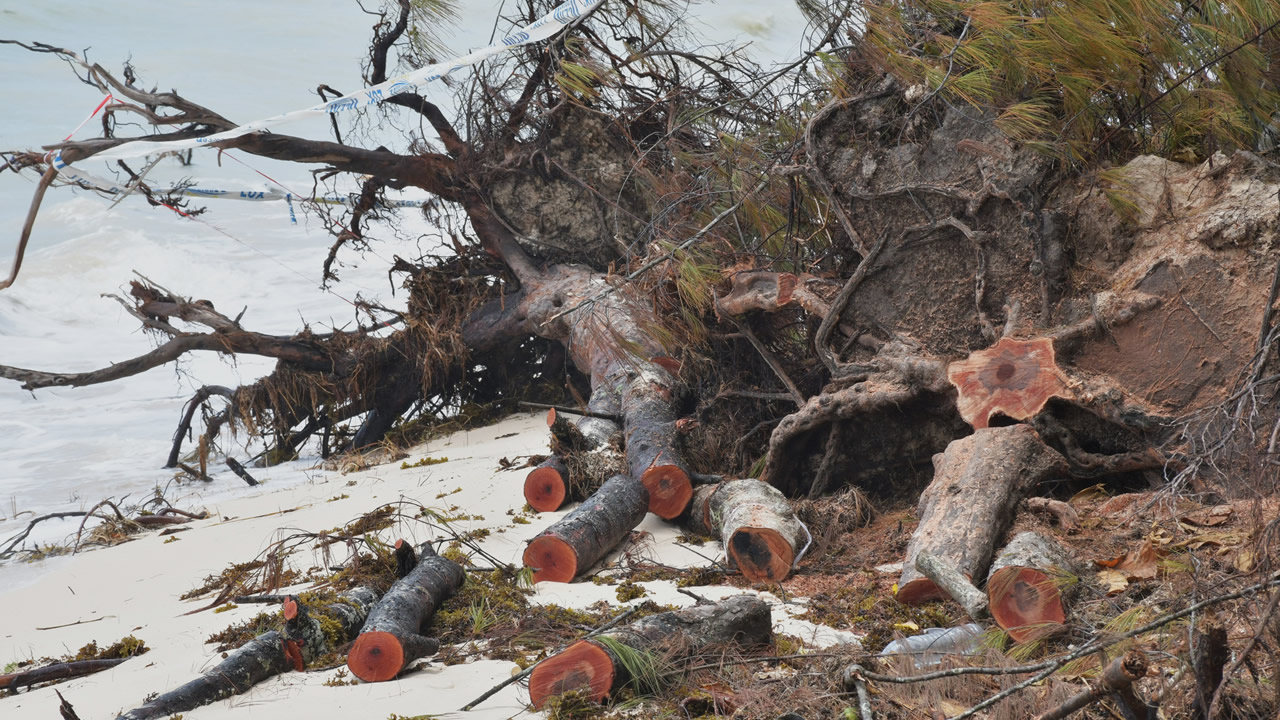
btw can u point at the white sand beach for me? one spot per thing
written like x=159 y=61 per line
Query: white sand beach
x=105 y=594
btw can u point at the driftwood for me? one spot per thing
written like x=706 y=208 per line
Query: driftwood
x=978 y=481
x=389 y=640
x=270 y=653
x=590 y=666
x=1118 y=677
x=64 y=671
x=576 y=541
x=761 y=534
x=1025 y=599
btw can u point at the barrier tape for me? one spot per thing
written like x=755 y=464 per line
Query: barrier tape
x=541 y=29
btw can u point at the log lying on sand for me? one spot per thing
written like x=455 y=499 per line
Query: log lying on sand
x=270 y=653
x=1022 y=593
x=576 y=541
x=547 y=486
x=761 y=534
x=977 y=483
x=390 y=639
x=591 y=666
x=652 y=455
x=590 y=443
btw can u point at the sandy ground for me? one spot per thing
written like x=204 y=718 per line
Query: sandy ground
x=134 y=588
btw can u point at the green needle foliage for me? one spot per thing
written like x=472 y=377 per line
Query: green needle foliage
x=1090 y=79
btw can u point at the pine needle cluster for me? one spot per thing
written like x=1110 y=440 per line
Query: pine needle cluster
x=1087 y=79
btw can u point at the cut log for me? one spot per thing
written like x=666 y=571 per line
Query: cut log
x=576 y=541
x=977 y=483
x=1025 y=600
x=590 y=666
x=584 y=455
x=547 y=486
x=1014 y=378
x=390 y=639
x=1118 y=677
x=761 y=533
x=651 y=444
x=270 y=653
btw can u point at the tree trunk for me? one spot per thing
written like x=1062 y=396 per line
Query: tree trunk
x=1025 y=600
x=390 y=639
x=761 y=533
x=978 y=481
x=607 y=337
x=271 y=653
x=590 y=666
x=576 y=541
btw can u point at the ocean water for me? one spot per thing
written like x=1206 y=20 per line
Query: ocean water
x=67 y=448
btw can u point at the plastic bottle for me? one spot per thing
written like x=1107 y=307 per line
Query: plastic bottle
x=929 y=647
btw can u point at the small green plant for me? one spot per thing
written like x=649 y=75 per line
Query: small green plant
x=482 y=617
x=646 y=673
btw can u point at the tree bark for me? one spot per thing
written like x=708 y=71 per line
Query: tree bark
x=978 y=481
x=389 y=640
x=304 y=633
x=1211 y=653
x=761 y=533
x=590 y=666
x=575 y=542
x=1025 y=600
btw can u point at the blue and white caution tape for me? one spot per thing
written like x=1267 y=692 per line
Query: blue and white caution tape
x=541 y=29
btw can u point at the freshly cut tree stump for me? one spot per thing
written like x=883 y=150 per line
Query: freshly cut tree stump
x=1014 y=378
x=547 y=486
x=390 y=639
x=759 y=529
x=576 y=541
x=977 y=483
x=590 y=666
x=270 y=653
x=1021 y=592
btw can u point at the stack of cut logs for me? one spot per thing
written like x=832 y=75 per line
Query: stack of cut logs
x=761 y=534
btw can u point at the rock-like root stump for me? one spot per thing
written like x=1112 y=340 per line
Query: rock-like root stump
x=978 y=481
x=579 y=539
x=390 y=639
x=588 y=665
x=270 y=653
x=761 y=533
x=1022 y=592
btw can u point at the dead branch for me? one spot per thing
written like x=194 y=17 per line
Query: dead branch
x=188 y=413
x=57 y=671
x=1118 y=677
x=36 y=198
